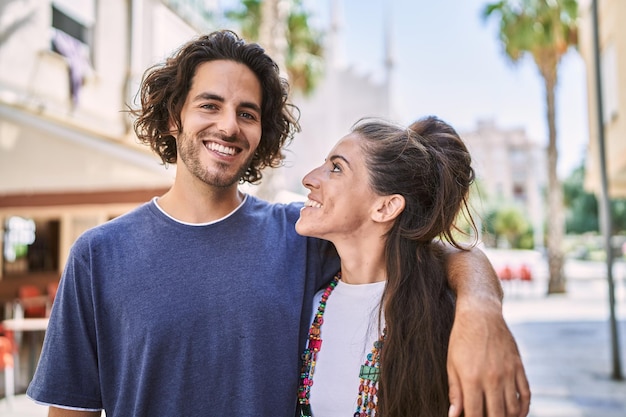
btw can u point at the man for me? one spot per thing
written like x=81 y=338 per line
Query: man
x=196 y=303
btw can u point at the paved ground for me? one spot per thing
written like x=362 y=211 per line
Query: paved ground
x=564 y=340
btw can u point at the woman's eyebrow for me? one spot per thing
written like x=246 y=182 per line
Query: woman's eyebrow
x=333 y=157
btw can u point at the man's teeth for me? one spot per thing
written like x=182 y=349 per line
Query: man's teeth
x=212 y=146
x=311 y=203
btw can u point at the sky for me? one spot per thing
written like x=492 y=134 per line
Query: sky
x=449 y=62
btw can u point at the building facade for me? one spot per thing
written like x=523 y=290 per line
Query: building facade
x=612 y=58
x=511 y=169
x=69 y=159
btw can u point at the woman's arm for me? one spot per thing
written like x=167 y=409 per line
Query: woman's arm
x=485 y=370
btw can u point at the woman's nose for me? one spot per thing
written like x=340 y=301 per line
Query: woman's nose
x=310 y=180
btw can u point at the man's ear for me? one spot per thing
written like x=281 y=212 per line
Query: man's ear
x=173 y=129
x=388 y=208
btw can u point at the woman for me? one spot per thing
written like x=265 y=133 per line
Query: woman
x=383 y=196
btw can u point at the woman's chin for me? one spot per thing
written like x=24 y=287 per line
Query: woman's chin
x=303 y=230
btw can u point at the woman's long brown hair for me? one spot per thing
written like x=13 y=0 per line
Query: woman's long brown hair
x=429 y=165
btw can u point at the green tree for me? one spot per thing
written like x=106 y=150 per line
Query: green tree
x=510 y=223
x=303 y=54
x=582 y=207
x=545 y=29
x=619 y=215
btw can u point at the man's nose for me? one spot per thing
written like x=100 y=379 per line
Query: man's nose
x=227 y=124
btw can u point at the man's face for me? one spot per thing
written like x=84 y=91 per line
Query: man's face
x=221 y=124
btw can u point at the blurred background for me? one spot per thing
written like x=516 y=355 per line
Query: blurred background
x=536 y=88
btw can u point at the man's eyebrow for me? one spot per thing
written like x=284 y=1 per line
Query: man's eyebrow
x=211 y=96
x=333 y=157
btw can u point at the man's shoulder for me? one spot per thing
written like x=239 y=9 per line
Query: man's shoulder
x=290 y=210
x=123 y=224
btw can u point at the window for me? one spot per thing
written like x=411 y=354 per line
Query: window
x=519 y=192
x=74 y=18
x=72 y=22
x=18 y=234
x=30 y=246
x=64 y=23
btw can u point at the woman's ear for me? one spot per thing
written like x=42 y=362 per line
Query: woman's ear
x=389 y=207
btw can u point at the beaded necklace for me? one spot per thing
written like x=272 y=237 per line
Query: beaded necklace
x=368 y=375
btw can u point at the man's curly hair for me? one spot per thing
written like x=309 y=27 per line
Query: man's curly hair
x=165 y=86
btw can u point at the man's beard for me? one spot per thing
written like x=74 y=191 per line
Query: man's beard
x=189 y=149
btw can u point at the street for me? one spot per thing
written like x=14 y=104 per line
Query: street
x=565 y=340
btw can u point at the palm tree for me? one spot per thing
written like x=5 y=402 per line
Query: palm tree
x=545 y=29
x=285 y=32
x=510 y=223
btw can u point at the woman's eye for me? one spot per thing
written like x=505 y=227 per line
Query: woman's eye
x=336 y=168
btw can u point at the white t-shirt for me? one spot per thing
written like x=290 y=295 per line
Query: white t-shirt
x=348 y=334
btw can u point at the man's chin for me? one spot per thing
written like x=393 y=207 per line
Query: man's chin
x=222 y=180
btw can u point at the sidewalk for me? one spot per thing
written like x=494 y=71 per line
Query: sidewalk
x=564 y=341
x=21 y=407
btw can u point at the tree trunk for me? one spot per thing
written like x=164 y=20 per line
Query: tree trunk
x=273 y=38
x=273 y=31
x=555 y=222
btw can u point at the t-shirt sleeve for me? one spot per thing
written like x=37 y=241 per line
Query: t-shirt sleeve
x=67 y=373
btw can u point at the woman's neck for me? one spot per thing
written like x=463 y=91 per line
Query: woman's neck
x=362 y=263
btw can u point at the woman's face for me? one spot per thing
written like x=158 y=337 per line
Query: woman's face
x=340 y=200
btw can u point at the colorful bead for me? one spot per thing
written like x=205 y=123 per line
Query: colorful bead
x=309 y=357
x=369 y=374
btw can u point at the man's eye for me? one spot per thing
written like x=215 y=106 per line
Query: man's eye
x=248 y=115
x=336 y=168
x=209 y=106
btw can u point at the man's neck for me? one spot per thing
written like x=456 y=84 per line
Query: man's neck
x=200 y=206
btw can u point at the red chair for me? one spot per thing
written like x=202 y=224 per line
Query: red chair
x=7 y=350
x=525 y=273
x=32 y=300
